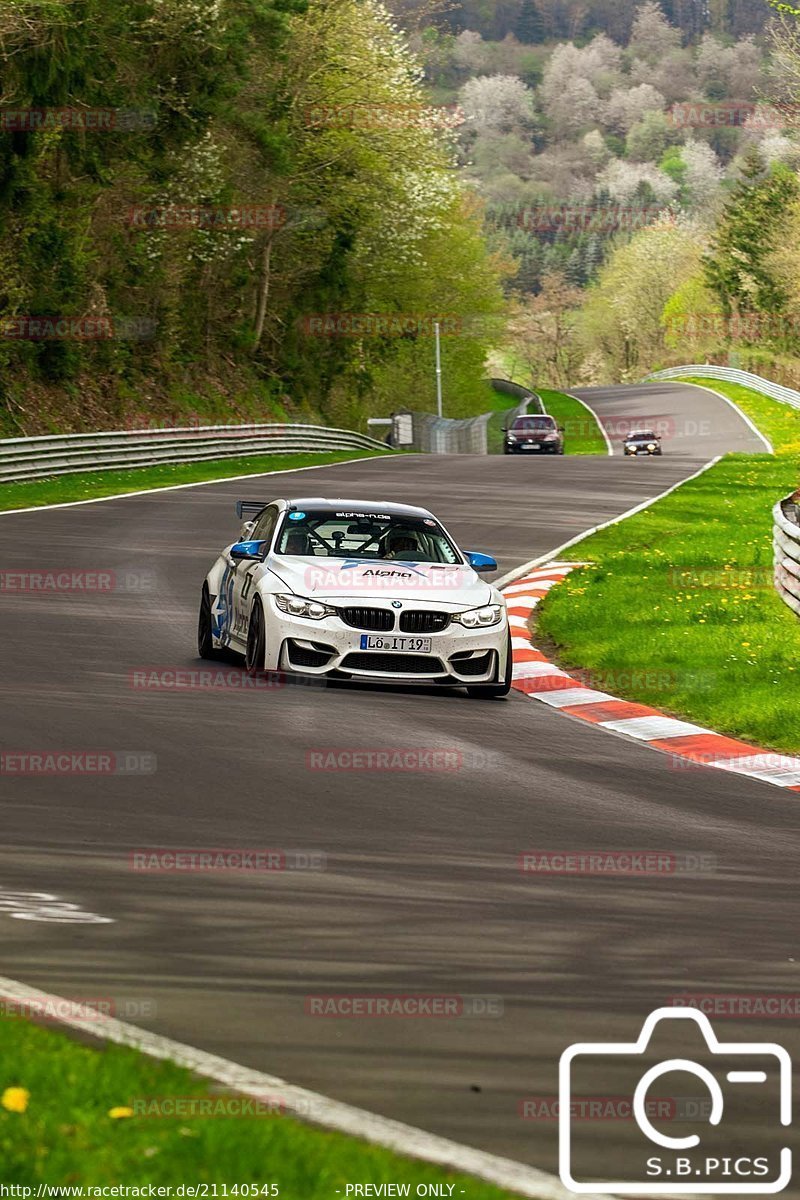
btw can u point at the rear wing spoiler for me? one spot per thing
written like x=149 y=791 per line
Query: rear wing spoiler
x=249 y=508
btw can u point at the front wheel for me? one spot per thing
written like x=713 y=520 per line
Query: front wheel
x=494 y=691
x=205 y=637
x=255 y=654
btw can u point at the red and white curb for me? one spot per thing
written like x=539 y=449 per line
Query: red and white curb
x=538 y=678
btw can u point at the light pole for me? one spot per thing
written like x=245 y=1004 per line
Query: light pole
x=438 y=371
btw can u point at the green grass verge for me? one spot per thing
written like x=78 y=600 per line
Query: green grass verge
x=582 y=433
x=66 y=1136
x=677 y=608
x=61 y=489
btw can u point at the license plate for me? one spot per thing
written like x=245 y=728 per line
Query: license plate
x=530 y=445
x=414 y=645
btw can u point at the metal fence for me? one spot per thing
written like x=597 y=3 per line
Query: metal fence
x=786 y=541
x=65 y=454
x=442 y=435
x=732 y=375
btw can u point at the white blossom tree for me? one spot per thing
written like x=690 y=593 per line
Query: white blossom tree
x=622 y=180
x=470 y=51
x=704 y=173
x=625 y=107
x=496 y=103
x=652 y=35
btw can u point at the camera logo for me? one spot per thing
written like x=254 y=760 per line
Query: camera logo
x=712 y=1161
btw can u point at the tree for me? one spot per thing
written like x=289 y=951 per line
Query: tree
x=496 y=103
x=530 y=27
x=652 y=36
x=649 y=137
x=704 y=173
x=621 y=319
x=624 y=181
x=540 y=331
x=626 y=106
x=738 y=267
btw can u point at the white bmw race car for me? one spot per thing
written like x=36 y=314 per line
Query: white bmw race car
x=347 y=589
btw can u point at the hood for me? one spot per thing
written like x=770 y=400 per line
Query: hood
x=335 y=580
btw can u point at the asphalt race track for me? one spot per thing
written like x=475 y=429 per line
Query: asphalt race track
x=422 y=893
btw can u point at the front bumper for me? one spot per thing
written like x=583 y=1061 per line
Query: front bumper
x=631 y=452
x=331 y=649
x=532 y=447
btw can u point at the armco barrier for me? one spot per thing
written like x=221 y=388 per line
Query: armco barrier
x=526 y=399
x=64 y=454
x=786 y=540
x=730 y=374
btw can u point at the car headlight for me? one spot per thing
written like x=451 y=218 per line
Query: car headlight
x=651 y=445
x=551 y=437
x=511 y=437
x=475 y=618
x=298 y=606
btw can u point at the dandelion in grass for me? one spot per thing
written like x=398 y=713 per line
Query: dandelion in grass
x=15 y=1099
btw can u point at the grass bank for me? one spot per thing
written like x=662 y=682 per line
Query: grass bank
x=582 y=434
x=61 y=489
x=72 y=1114
x=677 y=607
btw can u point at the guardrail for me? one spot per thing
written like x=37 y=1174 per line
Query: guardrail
x=707 y=371
x=65 y=454
x=786 y=542
x=524 y=395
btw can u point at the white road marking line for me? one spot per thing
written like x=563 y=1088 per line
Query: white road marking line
x=176 y=487
x=307 y=1105
x=520 y=572
x=733 y=404
x=651 y=729
x=597 y=418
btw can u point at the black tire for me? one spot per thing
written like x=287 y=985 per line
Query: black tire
x=256 y=640
x=205 y=640
x=494 y=691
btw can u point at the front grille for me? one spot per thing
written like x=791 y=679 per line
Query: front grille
x=304 y=656
x=422 y=621
x=478 y=665
x=400 y=664
x=368 y=618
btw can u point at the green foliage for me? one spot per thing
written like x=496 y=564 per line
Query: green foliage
x=314 y=115
x=738 y=266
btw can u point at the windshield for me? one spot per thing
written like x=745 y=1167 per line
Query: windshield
x=539 y=423
x=642 y=435
x=328 y=534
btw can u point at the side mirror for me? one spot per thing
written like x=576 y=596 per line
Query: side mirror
x=561 y=429
x=482 y=563
x=245 y=550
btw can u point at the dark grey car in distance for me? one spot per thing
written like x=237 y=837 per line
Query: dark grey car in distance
x=539 y=434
